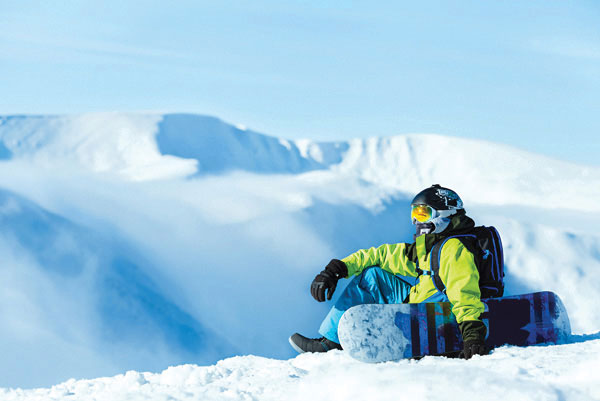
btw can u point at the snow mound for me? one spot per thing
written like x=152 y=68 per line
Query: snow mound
x=559 y=372
x=102 y=142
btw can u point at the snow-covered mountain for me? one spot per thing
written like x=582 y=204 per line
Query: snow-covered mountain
x=155 y=146
x=139 y=241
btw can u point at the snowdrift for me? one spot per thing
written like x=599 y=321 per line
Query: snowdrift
x=140 y=241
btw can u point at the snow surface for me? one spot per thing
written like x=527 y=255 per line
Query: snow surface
x=541 y=373
x=142 y=241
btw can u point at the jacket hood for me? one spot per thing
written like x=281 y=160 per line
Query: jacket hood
x=460 y=223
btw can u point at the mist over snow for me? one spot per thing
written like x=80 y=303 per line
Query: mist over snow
x=139 y=241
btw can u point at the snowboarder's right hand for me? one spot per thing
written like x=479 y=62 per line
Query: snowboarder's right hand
x=327 y=280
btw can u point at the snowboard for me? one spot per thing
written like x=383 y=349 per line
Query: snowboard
x=390 y=332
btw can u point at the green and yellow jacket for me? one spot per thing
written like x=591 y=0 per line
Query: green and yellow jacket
x=457 y=268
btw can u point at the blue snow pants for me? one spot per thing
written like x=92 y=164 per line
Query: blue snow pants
x=373 y=286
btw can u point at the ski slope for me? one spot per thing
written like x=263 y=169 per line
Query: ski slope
x=139 y=241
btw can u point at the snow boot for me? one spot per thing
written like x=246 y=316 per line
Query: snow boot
x=303 y=344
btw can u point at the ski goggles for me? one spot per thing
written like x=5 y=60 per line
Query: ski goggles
x=422 y=213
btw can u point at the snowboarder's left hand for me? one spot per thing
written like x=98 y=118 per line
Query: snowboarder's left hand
x=326 y=281
x=473 y=333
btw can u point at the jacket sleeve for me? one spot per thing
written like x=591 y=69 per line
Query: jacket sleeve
x=461 y=278
x=390 y=257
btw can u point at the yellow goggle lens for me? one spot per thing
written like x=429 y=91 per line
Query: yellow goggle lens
x=421 y=213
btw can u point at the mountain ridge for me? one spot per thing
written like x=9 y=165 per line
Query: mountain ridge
x=149 y=146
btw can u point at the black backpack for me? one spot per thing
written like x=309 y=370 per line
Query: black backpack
x=485 y=244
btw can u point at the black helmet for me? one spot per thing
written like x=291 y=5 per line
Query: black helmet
x=439 y=198
x=432 y=209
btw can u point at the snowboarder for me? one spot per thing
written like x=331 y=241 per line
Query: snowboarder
x=437 y=213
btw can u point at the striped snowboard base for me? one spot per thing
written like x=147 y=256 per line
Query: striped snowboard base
x=378 y=333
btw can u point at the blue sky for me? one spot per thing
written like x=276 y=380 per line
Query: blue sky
x=521 y=73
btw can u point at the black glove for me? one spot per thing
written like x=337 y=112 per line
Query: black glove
x=327 y=280
x=473 y=334
x=473 y=348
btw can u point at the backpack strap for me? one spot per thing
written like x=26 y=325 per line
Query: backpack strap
x=435 y=254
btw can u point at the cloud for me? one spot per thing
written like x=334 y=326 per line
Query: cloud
x=146 y=275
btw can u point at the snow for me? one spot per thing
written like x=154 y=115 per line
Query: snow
x=559 y=372
x=134 y=242
x=119 y=143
